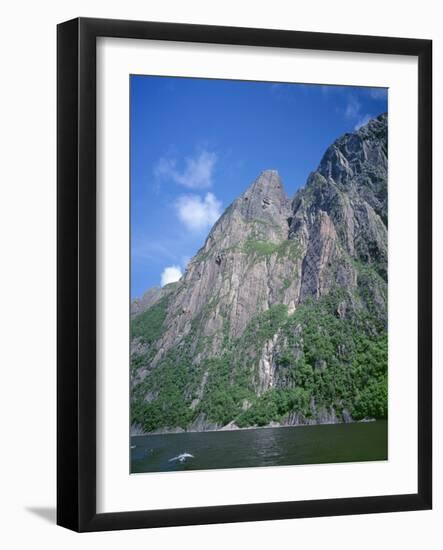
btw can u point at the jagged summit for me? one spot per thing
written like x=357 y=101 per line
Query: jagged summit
x=265 y=200
x=268 y=182
x=350 y=187
x=240 y=322
x=348 y=156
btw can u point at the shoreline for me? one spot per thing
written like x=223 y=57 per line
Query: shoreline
x=237 y=429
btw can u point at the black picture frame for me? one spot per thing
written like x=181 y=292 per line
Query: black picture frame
x=76 y=266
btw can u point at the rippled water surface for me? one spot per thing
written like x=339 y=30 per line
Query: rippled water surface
x=260 y=447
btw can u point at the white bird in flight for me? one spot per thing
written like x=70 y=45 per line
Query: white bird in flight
x=182 y=457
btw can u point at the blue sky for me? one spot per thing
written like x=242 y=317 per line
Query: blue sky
x=196 y=144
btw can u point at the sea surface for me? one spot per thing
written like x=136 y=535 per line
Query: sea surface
x=320 y=444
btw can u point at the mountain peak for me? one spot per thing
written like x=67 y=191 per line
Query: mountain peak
x=268 y=181
x=265 y=199
x=352 y=153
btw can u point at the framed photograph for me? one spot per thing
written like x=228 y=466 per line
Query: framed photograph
x=244 y=274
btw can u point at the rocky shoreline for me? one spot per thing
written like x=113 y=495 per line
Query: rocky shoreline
x=136 y=431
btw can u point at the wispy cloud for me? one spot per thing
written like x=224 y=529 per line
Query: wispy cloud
x=362 y=121
x=353 y=108
x=378 y=93
x=197 y=172
x=354 y=112
x=149 y=250
x=185 y=261
x=198 y=213
x=290 y=92
x=171 y=274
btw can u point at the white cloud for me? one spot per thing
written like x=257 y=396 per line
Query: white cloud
x=171 y=274
x=354 y=113
x=197 y=172
x=198 y=213
x=362 y=121
x=352 y=108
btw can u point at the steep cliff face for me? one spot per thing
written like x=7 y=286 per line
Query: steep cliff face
x=281 y=315
x=340 y=216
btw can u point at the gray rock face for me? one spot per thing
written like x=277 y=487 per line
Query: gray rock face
x=267 y=251
x=238 y=268
x=266 y=201
x=139 y=305
x=150 y=298
x=341 y=214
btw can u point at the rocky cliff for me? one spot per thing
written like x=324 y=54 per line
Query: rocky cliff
x=281 y=316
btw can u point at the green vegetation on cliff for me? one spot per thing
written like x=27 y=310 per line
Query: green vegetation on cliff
x=322 y=362
x=148 y=325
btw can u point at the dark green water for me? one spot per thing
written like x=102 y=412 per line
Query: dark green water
x=261 y=447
